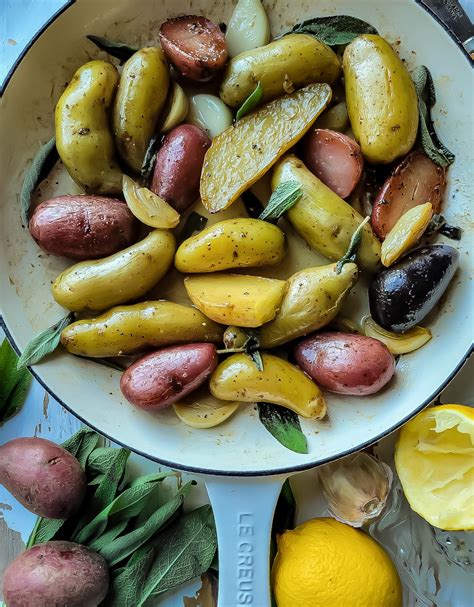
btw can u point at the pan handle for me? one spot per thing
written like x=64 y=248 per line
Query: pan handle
x=243 y=510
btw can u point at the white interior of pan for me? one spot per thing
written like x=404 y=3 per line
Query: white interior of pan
x=92 y=391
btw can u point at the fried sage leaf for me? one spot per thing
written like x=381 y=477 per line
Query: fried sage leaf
x=334 y=30
x=284 y=425
x=119 y=50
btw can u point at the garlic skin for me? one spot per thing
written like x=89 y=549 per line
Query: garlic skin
x=356 y=488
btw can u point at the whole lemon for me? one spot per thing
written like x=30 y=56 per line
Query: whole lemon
x=325 y=563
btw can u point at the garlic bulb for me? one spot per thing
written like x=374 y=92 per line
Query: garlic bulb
x=356 y=488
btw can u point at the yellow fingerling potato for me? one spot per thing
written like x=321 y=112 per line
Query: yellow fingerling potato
x=324 y=219
x=236 y=299
x=140 y=98
x=381 y=99
x=314 y=297
x=232 y=243
x=130 y=329
x=83 y=138
x=281 y=383
x=240 y=155
x=281 y=67
x=125 y=276
x=202 y=410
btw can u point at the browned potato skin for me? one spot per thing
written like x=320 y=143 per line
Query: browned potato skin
x=56 y=574
x=346 y=363
x=42 y=476
x=83 y=227
x=195 y=46
x=178 y=166
x=161 y=378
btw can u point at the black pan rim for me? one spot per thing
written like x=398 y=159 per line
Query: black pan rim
x=229 y=473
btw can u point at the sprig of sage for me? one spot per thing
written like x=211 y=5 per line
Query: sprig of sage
x=44 y=343
x=284 y=425
x=39 y=169
x=119 y=50
x=334 y=30
x=429 y=140
x=14 y=383
x=282 y=199
x=250 y=103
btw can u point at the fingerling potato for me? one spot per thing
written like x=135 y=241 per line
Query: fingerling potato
x=83 y=227
x=42 y=476
x=125 y=276
x=141 y=96
x=83 y=137
x=56 y=573
x=178 y=166
x=161 y=378
x=346 y=363
x=195 y=46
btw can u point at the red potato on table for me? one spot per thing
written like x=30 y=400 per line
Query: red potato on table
x=346 y=363
x=42 y=476
x=178 y=166
x=416 y=180
x=83 y=227
x=334 y=158
x=195 y=46
x=56 y=574
x=161 y=378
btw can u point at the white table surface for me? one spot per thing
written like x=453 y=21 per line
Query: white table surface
x=42 y=416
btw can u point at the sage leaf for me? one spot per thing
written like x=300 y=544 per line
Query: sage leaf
x=45 y=529
x=124 y=506
x=82 y=444
x=250 y=103
x=119 y=50
x=438 y=224
x=183 y=551
x=194 y=223
x=257 y=359
x=334 y=30
x=108 y=536
x=39 y=169
x=282 y=199
x=284 y=425
x=252 y=204
x=123 y=546
x=150 y=156
x=429 y=140
x=44 y=343
x=14 y=383
x=126 y=587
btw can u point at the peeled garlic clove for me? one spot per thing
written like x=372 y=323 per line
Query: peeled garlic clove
x=248 y=27
x=335 y=118
x=148 y=207
x=234 y=337
x=405 y=233
x=209 y=113
x=356 y=488
x=397 y=343
x=177 y=109
x=202 y=410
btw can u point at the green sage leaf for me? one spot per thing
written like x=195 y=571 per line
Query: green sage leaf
x=334 y=30
x=430 y=142
x=45 y=529
x=150 y=156
x=39 y=169
x=284 y=425
x=250 y=103
x=14 y=383
x=44 y=343
x=282 y=199
x=183 y=551
x=126 y=587
x=109 y=535
x=119 y=50
x=123 y=546
x=82 y=444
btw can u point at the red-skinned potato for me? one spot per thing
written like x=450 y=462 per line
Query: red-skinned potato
x=83 y=227
x=56 y=574
x=416 y=180
x=43 y=476
x=178 y=166
x=346 y=363
x=161 y=378
x=334 y=158
x=195 y=46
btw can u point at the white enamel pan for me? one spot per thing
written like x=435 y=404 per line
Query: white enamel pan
x=243 y=465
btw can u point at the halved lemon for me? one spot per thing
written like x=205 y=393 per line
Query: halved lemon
x=202 y=410
x=434 y=458
x=150 y=209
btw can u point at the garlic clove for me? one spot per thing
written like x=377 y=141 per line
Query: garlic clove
x=209 y=113
x=248 y=27
x=356 y=488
